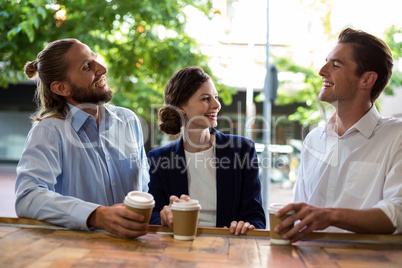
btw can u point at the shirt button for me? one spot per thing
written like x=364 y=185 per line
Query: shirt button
x=330 y=189
x=114 y=184
x=108 y=158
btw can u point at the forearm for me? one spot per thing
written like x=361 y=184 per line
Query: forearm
x=94 y=218
x=362 y=221
x=36 y=202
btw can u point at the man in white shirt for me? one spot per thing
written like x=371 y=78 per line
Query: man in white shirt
x=351 y=169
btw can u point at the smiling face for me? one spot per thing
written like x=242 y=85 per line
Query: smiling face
x=340 y=82
x=201 y=110
x=86 y=77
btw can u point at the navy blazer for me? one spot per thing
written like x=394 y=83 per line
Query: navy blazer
x=237 y=179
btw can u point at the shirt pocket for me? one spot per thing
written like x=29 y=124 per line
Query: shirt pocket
x=359 y=179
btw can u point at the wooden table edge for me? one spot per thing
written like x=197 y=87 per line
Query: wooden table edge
x=371 y=238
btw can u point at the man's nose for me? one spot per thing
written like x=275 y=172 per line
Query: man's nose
x=100 y=69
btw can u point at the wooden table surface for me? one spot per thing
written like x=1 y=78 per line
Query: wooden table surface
x=30 y=243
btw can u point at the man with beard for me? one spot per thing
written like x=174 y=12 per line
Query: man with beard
x=81 y=157
x=351 y=169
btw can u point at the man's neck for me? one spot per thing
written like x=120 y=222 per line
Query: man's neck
x=346 y=117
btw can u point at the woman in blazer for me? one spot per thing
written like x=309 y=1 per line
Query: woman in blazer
x=219 y=170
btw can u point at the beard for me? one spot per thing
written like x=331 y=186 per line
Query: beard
x=90 y=95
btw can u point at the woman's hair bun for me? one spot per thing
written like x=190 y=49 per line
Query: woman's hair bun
x=31 y=68
x=170 y=120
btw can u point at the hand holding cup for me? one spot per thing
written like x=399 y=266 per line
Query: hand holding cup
x=276 y=238
x=141 y=203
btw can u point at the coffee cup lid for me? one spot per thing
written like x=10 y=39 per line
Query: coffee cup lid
x=192 y=204
x=275 y=207
x=139 y=199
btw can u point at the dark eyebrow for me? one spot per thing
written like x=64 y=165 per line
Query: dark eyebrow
x=84 y=62
x=89 y=60
x=207 y=94
x=336 y=61
x=204 y=95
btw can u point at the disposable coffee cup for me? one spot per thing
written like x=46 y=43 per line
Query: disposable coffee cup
x=185 y=219
x=274 y=221
x=141 y=203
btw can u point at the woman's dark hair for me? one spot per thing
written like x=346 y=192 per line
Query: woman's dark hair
x=181 y=86
x=370 y=54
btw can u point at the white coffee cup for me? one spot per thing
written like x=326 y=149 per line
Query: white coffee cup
x=185 y=219
x=141 y=203
x=274 y=221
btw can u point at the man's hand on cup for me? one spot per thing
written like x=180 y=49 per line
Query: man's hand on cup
x=310 y=218
x=166 y=212
x=119 y=221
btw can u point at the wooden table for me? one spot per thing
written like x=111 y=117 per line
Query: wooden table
x=30 y=243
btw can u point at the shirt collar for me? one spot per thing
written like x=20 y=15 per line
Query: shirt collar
x=110 y=110
x=365 y=125
x=368 y=122
x=78 y=117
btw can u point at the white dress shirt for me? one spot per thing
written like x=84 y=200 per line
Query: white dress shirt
x=362 y=169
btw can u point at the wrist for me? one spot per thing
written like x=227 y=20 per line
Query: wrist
x=92 y=221
x=336 y=217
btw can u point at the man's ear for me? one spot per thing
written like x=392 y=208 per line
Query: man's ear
x=368 y=80
x=60 y=88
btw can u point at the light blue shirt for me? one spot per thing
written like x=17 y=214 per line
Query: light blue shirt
x=70 y=167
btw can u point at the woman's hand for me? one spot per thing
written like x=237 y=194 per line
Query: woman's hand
x=240 y=227
x=166 y=212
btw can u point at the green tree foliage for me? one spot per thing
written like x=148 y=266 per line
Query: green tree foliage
x=313 y=110
x=142 y=42
x=391 y=38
